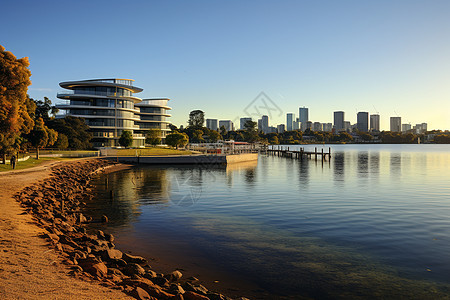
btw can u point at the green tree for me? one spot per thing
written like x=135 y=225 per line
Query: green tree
x=41 y=136
x=177 y=139
x=153 y=137
x=274 y=140
x=214 y=136
x=345 y=137
x=250 y=132
x=14 y=117
x=365 y=136
x=44 y=109
x=442 y=139
x=196 y=118
x=126 y=139
x=223 y=131
x=62 y=142
x=76 y=131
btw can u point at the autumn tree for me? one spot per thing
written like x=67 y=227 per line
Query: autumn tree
x=14 y=117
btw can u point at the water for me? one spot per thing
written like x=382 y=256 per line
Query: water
x=373 y=222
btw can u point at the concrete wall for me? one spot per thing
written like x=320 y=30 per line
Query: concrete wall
x=235 y=158
x=186 y=159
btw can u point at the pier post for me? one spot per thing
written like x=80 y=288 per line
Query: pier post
x=322 y=156
x=315 y=153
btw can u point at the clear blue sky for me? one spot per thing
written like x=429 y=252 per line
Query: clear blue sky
x=387 y=56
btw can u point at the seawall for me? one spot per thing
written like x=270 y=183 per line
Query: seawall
x=186 y=159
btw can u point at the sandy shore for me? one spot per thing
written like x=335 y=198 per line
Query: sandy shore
x=29 y=269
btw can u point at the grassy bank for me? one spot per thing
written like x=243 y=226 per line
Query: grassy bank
x=29 y=163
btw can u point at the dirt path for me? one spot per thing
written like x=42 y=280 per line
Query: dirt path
x=29 y=269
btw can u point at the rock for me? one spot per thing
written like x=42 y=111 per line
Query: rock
x=197 y=289
x=176 y=289
x=111 y=254
x=53 y=237
x=140 y=294
x=109 y=237
x=177 y=297
x=104 y=219
x=93 y=267
x=215 y=296
x=194 y=296
x=151 y=288
x=134 y=269
x=150 y=274
x=134 y=259
x=101 y=234
x=174 y=276
x=160 y=281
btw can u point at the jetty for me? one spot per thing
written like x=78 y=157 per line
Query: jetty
x=290 y=152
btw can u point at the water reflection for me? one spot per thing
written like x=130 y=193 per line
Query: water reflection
x=338 y=166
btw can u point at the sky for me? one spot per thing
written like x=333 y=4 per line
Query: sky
x=234 y=59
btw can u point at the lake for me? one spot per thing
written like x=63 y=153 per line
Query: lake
x=373 y=222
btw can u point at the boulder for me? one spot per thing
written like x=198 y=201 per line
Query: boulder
x=134 y=269
x=134 y=259
x=111 y=254
x=140 y=294
x=174 y=276
x=194 y=296
x=93 y=266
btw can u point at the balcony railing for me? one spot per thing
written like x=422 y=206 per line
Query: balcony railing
x=96 y=93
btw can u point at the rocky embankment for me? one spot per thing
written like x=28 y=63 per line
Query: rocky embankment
x=56 y=204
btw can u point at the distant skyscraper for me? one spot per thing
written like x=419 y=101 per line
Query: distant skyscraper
x=290 y=118
x=227 y=124
x=265 y=123
x=347 y=126
x=303 y=115
x=317 y=126
x=406 y=127
x=421 y=128
x=296 y=125
x=375 y=122
x=339 y=120
x=327 y=127
x=396 y=124
x=281 y=128
x=362 y=123
x=243 y=121
x=212 y=124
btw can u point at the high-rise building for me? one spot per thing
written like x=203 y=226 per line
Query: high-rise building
x=317 y=126
x=328 y=127
x=265 y=124
x=303 y=114
x=309 y=125
x=347 y=126
x=396 y=124
x=109 y=108
x=281 y=128
x=212 y=124
x=362 y=121
x=339 y=121
x=296 y=125
x=421 y=128
x=243 y=121
x=406 y=127
x=290 y=118
x=375 y=122
x=228 y=124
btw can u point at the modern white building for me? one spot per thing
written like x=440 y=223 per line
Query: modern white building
x=396 y=124
x=212 y=124
x=375 y=122
x=109 y=108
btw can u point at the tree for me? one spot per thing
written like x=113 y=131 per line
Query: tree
x=177 y=139
x=44 y=108
x=274 y=140
x=62 y=142
x=126 y=139
x=365 y=136
x=14 y=117
x=41 y=136
x=251 y=131
x=214 y=136
x=345 y=137
x=196 y=118
x=76 y=131
x=223 y=131
x=153 y=137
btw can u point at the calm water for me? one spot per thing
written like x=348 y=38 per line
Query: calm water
x=374 y=222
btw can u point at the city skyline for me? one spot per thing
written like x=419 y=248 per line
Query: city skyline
x=387 y=58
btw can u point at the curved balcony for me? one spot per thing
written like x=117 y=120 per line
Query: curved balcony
x=83 y=94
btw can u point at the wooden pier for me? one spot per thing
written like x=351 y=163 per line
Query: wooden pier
x=286 y=151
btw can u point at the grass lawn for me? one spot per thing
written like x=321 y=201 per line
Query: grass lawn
x=147 y=152
x=31 y=162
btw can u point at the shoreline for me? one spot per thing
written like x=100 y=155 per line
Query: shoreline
x=56 y=203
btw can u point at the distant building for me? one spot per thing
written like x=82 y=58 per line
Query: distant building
x=271 y=129
x=362 y=123
x=212 y=124
x=309 y=125
x=263 y=124
x=243 y=121
x=396 y=124
x=281 y=128
x=296 y=125
x=317 y=126
x=421 y=128
x=406 y=127
x=339 y=121
x=347 y=126
x=375 y=122
x=229 y=126
x=303 y=115
x=290 y=117
x=328 y=127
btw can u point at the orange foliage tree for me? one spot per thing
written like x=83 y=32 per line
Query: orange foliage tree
x=14 y=117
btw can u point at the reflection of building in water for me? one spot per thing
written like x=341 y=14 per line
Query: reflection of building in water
x=395 y=165
x=248 y=168
x=363 y=163
x=303 y=174
x=374 y=163
x=338 y=166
